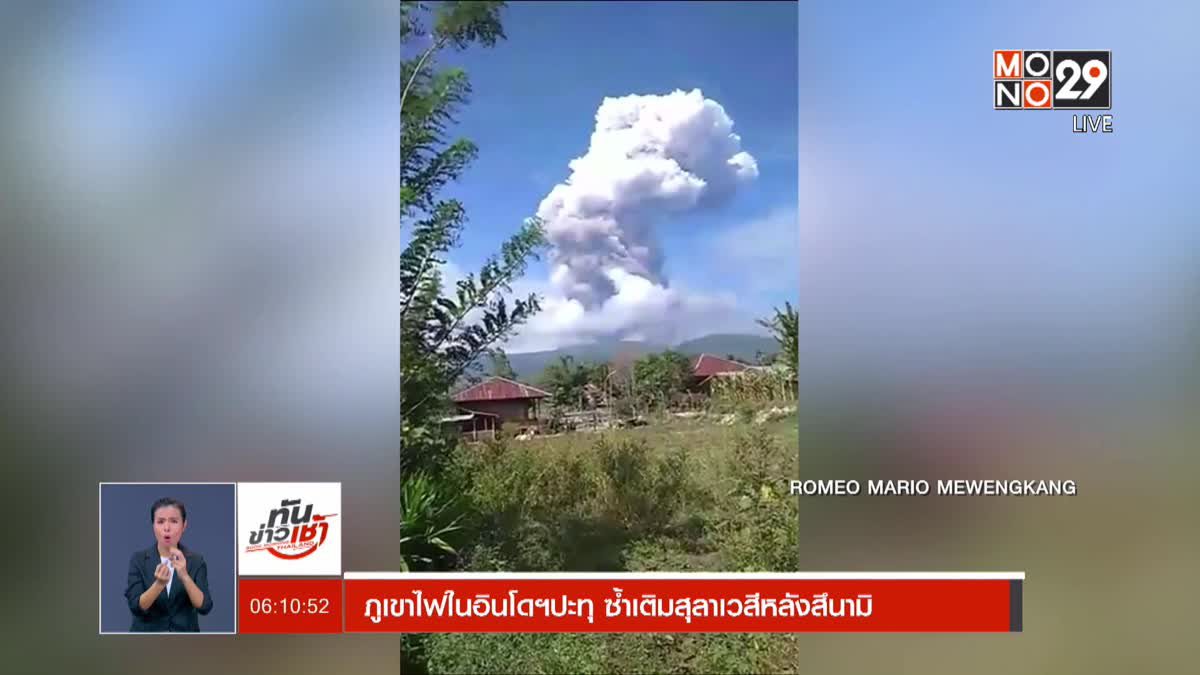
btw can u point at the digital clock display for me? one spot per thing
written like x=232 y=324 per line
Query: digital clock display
x=289 y=605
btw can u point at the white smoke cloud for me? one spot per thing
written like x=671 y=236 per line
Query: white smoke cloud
x=650 y=157
x=639 y=310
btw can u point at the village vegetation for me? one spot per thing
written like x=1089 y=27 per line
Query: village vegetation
x=664 y=462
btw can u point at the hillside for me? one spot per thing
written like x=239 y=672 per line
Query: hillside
x=744 y=347
x=529 y=365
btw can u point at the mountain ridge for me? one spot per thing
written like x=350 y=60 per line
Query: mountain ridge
x=528 y=366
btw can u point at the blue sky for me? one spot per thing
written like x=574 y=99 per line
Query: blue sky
x=534 y=105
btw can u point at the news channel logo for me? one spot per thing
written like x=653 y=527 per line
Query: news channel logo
x=289 y=529
x=1053 y=79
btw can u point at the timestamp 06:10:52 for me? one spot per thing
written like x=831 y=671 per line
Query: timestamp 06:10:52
x=289 y=605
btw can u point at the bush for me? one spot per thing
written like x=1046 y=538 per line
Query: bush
x=529 y=653
x=666 y=554
x=762 y=534
x=590 y=653
x=709 y=499
x=758 y=458
x=759 y=531
x=624 y=406
x=532 y=511
x=756 y=386
x=429 y=520
x=643 y=495
x=576 y=510
x=745 y=412
x=688 y=401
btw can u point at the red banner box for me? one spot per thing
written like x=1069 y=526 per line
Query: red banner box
x=293 y=606
x=683 y=602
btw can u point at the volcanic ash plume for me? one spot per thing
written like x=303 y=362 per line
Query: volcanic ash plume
x=649 y=157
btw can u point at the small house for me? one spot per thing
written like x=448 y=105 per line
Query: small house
x=497 y=401
x=706 y=366
x=474 y=425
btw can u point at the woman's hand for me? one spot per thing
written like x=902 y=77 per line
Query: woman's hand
x=162 y=574
x=179 y=562
x=194 y=592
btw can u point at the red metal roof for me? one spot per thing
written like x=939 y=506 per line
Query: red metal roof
x=707 y=365
x=498 y=389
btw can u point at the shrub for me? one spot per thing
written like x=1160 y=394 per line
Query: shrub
x=643 y=495
x=762 y=534
x=759 y=531
x=429 y=517
x=532 y=510
x=756 y=386
x=624 y=406
x=665 y=554
x=757 y=459
x=645 y=499
x=529 y=653
x=575 y=509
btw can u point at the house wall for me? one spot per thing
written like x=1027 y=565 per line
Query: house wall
x=509 y=411
x=478 y=428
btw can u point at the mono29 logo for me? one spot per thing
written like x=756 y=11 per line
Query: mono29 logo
x=1042 y=79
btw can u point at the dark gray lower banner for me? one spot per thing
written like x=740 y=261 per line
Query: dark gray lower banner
x=1015 y=611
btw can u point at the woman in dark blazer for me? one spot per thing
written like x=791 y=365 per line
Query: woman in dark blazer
x=168 y=584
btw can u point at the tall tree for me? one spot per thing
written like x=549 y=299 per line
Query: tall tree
x=442 y=335
x=658 y=377
x=785 y=328
x=598 y=375
x=566 y=380
x=501 y=367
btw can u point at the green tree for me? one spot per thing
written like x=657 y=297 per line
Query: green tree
x=443 y=335
x=501 y=367
x=565 y=379
x=598 y=374
x=785 y=328
x=658 y=377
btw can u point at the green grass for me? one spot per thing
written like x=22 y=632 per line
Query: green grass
x=553 y=654
x=679 y=495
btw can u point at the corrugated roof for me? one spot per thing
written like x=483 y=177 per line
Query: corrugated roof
x=498 y=389
x=707 y=365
